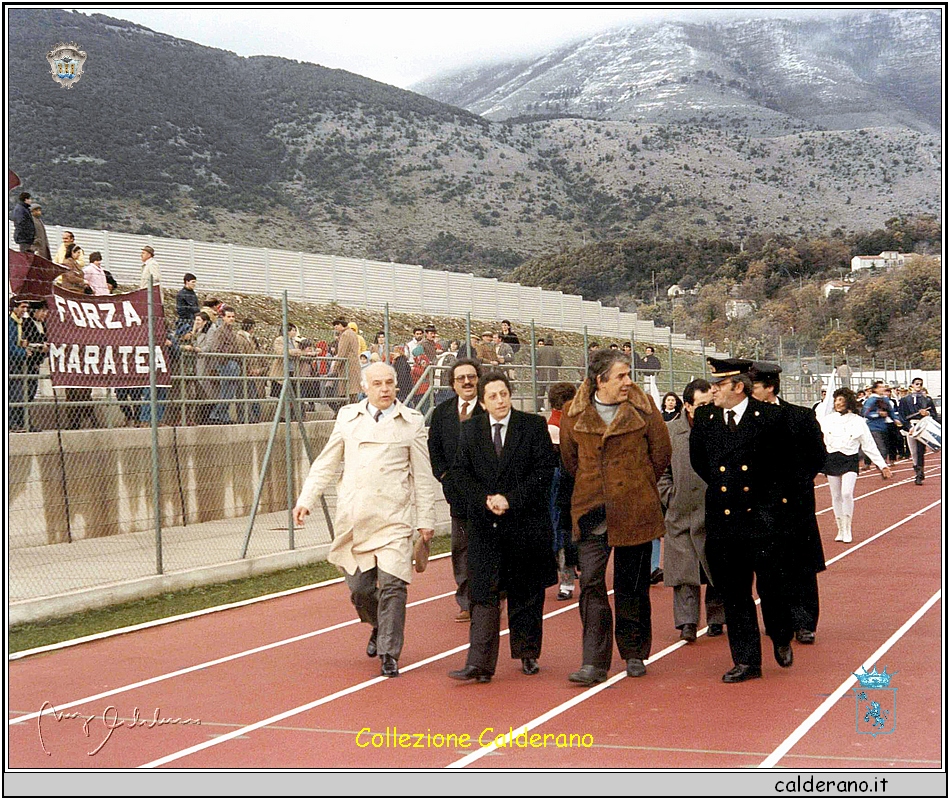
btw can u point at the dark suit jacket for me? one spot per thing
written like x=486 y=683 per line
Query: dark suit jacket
x=804 y=462
x=746 y=486
x=444 y=435
x=514 y=551
x=911 y=406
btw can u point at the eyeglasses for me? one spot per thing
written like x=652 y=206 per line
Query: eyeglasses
x=466 y=379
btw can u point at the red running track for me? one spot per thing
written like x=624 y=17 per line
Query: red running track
x=284 y=683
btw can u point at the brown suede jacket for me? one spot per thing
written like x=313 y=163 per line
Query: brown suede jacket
x=617 y=467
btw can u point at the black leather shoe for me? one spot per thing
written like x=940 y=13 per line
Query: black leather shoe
x=636 y=668
x=742 y=672
x=918 y=481
x=588 y=675
x=529 y=666
x=783 y=654
x=805 y=636
x=371 y=644
x=688 y=633
x=565 y=594
x=388 y=668
x=656 y=576
x=469 y=673
x=714 y=629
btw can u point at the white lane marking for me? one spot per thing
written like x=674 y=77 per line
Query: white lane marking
x=205 y=665
x=474 y=756
x=870 y=494
x=548 y=715
x=879 y=534
x=179 y=617
x=319 y=702
x=836 y=695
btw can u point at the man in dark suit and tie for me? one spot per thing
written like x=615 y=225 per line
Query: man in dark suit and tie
x=444 y=432
x=501 y=477
x=736 y=447
x=799 y=467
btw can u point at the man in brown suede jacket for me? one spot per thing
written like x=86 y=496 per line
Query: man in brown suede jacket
x=616 y=445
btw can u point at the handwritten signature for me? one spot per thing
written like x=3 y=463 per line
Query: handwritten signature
x=110 y=722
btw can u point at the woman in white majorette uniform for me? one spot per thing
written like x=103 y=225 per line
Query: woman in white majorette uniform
x=845 y=432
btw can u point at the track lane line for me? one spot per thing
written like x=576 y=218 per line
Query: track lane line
x=593 y=691
x=179 y=617
x=321 y=701
x=838 y=693
x=213 y=663
x=311 y=634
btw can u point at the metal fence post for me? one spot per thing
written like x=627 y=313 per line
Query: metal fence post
x=386 y=333
x=633 y=353
x=586 y=351
x=534 y=369
x=153 y=407
x=672 y=377
x=468 y=335
x=702 y=343
x=288 y=416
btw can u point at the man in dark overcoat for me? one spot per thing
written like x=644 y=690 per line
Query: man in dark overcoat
x=444 y=430
x=737 y=446
x=799 y=468
x=501 y=477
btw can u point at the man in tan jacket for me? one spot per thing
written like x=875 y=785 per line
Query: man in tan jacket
x=387 y=487
x=616 y=445
x=348 y=347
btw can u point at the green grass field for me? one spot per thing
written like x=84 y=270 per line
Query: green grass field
x=37 y=634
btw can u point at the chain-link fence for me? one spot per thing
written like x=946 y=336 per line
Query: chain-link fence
x=152 y=450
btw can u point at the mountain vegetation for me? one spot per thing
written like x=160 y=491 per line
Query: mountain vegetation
x=739 y=178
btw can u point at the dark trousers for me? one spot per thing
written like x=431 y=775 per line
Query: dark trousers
x=803 y=598
x=634 y=630
x=686 y=605
x=16 y=396
x=525 y=617
x=734 y=560
x=460 y=562
x=382 y=606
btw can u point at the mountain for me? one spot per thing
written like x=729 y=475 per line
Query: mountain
x=770 y=75
x=168 y=137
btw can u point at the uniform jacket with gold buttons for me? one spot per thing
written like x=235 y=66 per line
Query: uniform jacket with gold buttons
x=617 y=466
x=747 y=488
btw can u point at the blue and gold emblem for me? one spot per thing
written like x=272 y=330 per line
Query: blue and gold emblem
x=875 y=702
x=65 y=63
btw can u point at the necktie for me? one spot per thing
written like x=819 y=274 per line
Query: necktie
x=465 y=413
x=731 y=422
x=378 y=414
x=496 y=438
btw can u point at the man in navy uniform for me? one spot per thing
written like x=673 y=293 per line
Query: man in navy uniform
x=733 y=447
x=800 y=467
x=913 y=407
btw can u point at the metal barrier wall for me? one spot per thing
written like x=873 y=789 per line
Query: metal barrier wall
x=358 y=282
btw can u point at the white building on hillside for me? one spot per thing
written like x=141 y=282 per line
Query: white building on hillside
x=886 y=260
x=835 y=286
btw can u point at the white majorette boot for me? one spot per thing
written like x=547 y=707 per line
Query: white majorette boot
x=846 y=529
x=840 y=536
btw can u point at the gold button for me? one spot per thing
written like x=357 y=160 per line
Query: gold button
x=722 y=469
x=784 y=500
x=745 y=488
x=749 y=510
x=727 y=512
x=744 y=468
x=724 y=488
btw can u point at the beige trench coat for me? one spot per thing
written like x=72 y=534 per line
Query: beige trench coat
x=387 y=489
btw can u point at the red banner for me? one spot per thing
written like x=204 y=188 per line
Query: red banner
x=103 y=340
x=31 y=276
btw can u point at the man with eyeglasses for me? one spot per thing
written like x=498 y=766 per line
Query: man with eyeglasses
x=913 y=407
x=444 y=431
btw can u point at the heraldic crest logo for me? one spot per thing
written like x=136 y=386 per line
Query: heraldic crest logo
x=65 y=63
x=875 y=702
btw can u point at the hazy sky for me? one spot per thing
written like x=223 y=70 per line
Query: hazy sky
x=401 y=46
